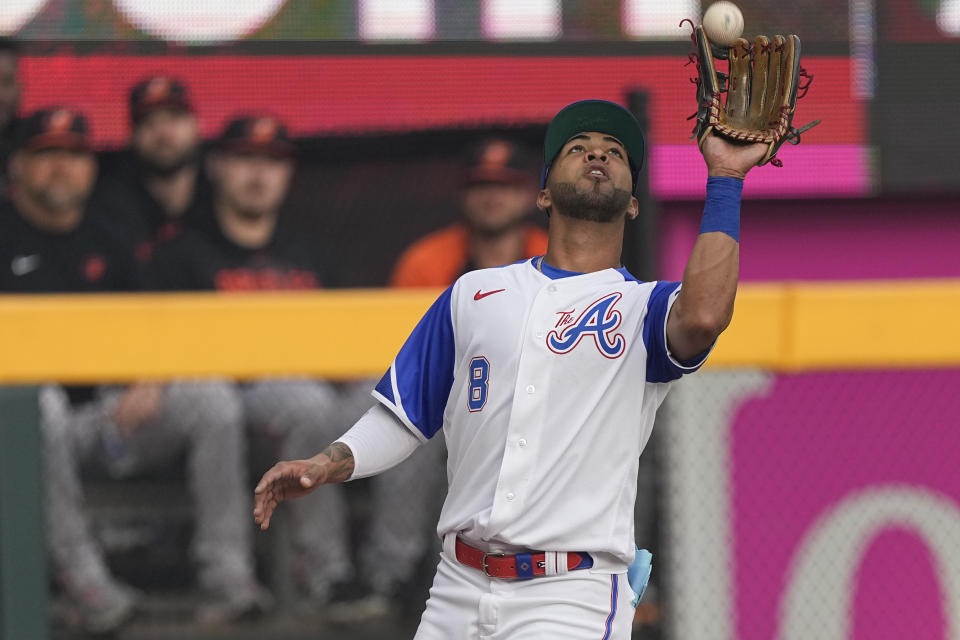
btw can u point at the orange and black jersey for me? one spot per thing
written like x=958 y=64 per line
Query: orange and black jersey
x=439 y=258
x=197 y=261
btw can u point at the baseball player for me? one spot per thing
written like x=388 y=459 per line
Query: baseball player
x=249 y=246
x=545 y=376
x=252 y=249
x=158 y=188
x=497 y=200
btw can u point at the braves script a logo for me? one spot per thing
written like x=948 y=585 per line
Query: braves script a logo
x=599 y=321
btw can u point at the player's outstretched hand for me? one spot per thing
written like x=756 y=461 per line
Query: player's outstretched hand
x=284 y=481
x=733 y=159
x=297 y=478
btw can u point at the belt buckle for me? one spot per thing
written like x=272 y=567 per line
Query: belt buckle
x=483 y=562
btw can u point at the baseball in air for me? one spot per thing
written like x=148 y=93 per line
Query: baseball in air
x=723 y=23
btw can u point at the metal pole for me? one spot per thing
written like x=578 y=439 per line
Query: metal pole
x=24 y=611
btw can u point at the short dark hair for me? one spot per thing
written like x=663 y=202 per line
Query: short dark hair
x=9 y=45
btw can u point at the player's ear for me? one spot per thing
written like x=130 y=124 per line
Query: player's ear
x=633 y=210
x=544 y=202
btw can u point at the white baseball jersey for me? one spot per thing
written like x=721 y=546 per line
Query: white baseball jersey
x=546 y=385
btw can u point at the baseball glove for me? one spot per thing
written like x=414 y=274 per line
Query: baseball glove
x=763 y=84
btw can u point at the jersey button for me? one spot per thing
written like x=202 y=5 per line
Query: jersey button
x=552 y=288
x=531 y=388
x=521 y=443
x=510 y=496
x=539 y=334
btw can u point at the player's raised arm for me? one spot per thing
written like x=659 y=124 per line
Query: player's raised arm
x=704 y=305
x=762 y=87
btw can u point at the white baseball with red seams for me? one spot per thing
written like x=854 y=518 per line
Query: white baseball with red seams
x=546 y=384
x=723 y=23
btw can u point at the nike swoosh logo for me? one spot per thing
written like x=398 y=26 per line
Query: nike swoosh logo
x=480 y=296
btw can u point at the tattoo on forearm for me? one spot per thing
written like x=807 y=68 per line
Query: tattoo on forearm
x=341 y=462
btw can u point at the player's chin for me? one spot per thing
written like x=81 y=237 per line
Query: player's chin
x=590 y=184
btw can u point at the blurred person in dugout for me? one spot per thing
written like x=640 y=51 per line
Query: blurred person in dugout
x=49 y=244
x=9 y=102
x=156 y=188
x=496 y=220
x=251 y=247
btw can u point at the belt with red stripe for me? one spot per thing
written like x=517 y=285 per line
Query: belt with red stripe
x=519 y=565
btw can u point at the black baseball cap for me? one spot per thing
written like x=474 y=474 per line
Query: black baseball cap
x=53 y=128
x=602 y=116
x=158 y=92
x=498 y=161
x=263 y=134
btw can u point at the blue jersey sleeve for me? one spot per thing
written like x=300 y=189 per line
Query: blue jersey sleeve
x=661 y=366
x=418 y=382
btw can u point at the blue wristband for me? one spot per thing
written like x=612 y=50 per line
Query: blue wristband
x=722 y=209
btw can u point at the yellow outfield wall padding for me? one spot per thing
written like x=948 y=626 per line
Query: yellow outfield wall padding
x=875 y=325
x=356 y=333
x=756 y=333
x=342 y=334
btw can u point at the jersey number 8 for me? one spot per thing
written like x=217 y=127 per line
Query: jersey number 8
x=479 y=384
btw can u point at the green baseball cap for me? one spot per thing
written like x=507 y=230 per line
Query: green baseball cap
x=602 y=116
